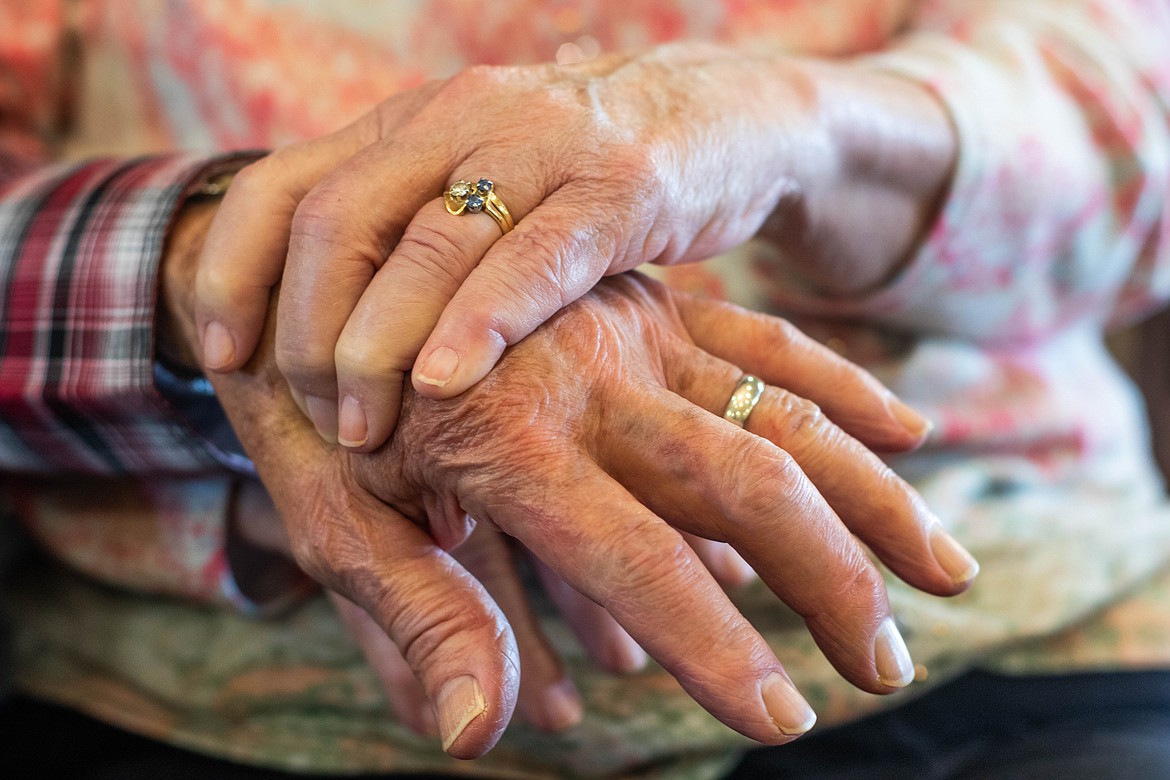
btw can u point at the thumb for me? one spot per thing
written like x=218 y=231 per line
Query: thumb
x=450 y=631
x=443 y=621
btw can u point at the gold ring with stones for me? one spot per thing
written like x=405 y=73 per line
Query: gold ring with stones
x=465 y=197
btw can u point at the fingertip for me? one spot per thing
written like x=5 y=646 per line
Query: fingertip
x=916 y=426
x=960 y=566
x=323 y=413
x=446 y=371
x=562 y=707
x=895 y=668
x=433 y=375
x=622 y=655
x=353 y=430
x=367 y=416
x=734 y=572
x=460 y=703
x=219 y=347
x=788 y=710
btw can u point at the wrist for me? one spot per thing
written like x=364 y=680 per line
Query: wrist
x=883 y=155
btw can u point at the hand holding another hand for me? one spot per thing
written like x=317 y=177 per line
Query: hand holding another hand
x=666 y=156
x=595 y=442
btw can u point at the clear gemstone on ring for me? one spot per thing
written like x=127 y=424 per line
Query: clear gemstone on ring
x=475 y=204
x=460 y=189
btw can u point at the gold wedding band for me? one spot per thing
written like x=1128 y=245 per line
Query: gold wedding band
x=466 y=197
x=743 y=400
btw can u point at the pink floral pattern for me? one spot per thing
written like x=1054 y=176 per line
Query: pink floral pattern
x=1058 y=225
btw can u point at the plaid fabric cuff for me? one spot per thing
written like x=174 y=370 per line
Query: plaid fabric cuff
x=80 y=247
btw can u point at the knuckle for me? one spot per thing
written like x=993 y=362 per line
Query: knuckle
x=649 y=561
x=858 y=584
x=323 y=218
x=549 y=269
x=851 y=594
x=435 y=255
x=216 y=284
x=780 y=332
x=302 y=361
x=254 y=179
x=422 y=632
x=765 y=474
x=804 y=421
x=365 y=360
x=636 y=163
x=472 y=83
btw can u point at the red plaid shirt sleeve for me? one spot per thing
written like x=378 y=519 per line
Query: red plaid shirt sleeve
x=79 y=252
x=80 y=247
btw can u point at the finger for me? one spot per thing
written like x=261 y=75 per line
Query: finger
x=245 y=250
x=603 y=638
x=781 y=355
x=874 y=503
x=726 y=565
x=714 y=480
x=392 y=318
x=451 y=633
x=552 y=258
x=343 y=232
x=404 y=691
x=548 y=698
x=609 y=547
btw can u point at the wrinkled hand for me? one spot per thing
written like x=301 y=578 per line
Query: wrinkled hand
x=547 y=697
x=667 y=156
x=593 y=443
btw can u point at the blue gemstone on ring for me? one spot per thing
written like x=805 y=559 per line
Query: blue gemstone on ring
x=484 y=186
x=475 y=204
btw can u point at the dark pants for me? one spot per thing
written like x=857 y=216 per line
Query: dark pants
x=1075 y=727
x=1078 y=727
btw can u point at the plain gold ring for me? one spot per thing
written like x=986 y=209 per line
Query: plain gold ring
x=744 y=398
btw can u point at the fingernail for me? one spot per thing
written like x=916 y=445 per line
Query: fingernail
x=739 y=573
x=562 y=706
x=787 y=708
x=323 y=413
x=219 y=348
x=439 y=367
x=894 y=667
x=460 y=701
x=909 y=419
x=952 y=556
x=352 y=430
x=625 y=656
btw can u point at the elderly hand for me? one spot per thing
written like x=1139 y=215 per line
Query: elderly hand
x=667 y=156
x=593 y=443
x=547 y=698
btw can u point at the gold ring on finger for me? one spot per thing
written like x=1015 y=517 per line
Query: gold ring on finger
x=466 y=197
x=744 y=398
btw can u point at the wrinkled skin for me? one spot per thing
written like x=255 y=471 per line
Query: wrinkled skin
x=594 y=443
x=547 y=697
x=669 y=155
